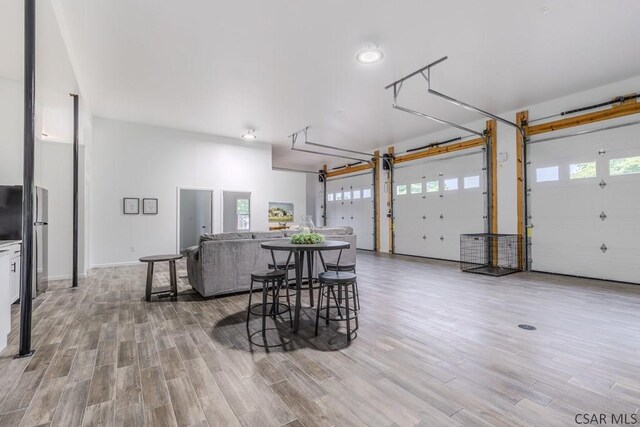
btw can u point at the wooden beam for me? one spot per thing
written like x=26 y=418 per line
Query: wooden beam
x=478 y=142
x=376 y=189
x=492 y=133
x=625 y=109
x=521 y=119
x=348 y=170
x=390 y=151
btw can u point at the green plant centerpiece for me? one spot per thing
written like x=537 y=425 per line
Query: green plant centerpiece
x=307 y=238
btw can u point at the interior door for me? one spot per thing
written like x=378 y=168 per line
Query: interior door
x=196 y=207
x=584 y=210
x=437 y=200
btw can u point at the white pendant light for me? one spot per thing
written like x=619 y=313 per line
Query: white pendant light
x=251 y=134
x=369 y=55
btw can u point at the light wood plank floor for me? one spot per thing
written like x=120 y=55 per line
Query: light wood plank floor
x=435 y=347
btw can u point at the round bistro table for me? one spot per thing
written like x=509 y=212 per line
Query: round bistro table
x=298 y=251
x=173 y=281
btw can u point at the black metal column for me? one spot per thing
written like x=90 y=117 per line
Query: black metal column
x=76 y=153
x=26 y=262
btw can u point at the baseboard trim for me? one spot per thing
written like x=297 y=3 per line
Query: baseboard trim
x=115 y=264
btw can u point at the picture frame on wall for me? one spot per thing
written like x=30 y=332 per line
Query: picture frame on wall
x=150 y=206
x=131 y=206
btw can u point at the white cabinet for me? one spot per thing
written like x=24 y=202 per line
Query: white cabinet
x=14 y=272
x=6 y=253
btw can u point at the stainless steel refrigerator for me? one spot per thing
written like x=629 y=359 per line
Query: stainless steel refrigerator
x=11 y=228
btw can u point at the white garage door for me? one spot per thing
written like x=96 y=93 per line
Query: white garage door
x=436 y=201
x=350 y=203
x=585 y=205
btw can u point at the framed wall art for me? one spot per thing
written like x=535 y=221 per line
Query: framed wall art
x=131 y=206
x=150 y=206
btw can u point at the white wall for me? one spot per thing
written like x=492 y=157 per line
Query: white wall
x=11 y=138
x=57 y=178
x=506 y=173
x=135 y=160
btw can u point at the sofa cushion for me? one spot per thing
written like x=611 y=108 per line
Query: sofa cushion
x=227 y=236
x=276 y=234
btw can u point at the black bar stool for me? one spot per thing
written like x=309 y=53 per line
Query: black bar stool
x=276 y=279
x=345 y=282
x=345 y=266
x=288 y=267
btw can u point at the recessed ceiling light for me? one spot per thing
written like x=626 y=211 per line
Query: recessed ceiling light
x=544 y=10
x=369 y=55
x=251 y=134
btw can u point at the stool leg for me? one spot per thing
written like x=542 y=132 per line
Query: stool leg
x=328 y=291
x=265 y=292
x=354 y=301
x=310 y=270
x=338 y=303
x=173 y=280
x=286 y=287
x=346 y=300
x=320 y=295
x=355 y=287
x=249 y=306
x=277 y=285
x=274 y=299
x=149 y=280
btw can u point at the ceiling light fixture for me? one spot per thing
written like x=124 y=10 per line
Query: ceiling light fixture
x=369 y=55
x=251 y=134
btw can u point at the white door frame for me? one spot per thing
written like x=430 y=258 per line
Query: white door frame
x=212 y=190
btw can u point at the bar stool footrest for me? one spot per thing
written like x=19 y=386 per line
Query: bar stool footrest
x=256 y=309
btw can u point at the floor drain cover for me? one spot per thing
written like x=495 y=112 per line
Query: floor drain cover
x=527 y=327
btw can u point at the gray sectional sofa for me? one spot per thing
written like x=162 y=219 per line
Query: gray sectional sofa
x=222 y=263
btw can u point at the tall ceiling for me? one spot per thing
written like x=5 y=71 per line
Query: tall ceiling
x=55 y=77
x=222 y=67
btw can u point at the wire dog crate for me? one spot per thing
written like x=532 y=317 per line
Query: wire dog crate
x=491 y=254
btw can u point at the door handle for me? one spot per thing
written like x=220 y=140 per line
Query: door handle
x=13 y=267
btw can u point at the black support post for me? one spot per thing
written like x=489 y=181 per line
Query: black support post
x=76 y=153
x=26 y=263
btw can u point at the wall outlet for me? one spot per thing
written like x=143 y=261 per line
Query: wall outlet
x=133 y=248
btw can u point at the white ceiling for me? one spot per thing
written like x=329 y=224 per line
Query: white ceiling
x=55 y=78
x=221 y=67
